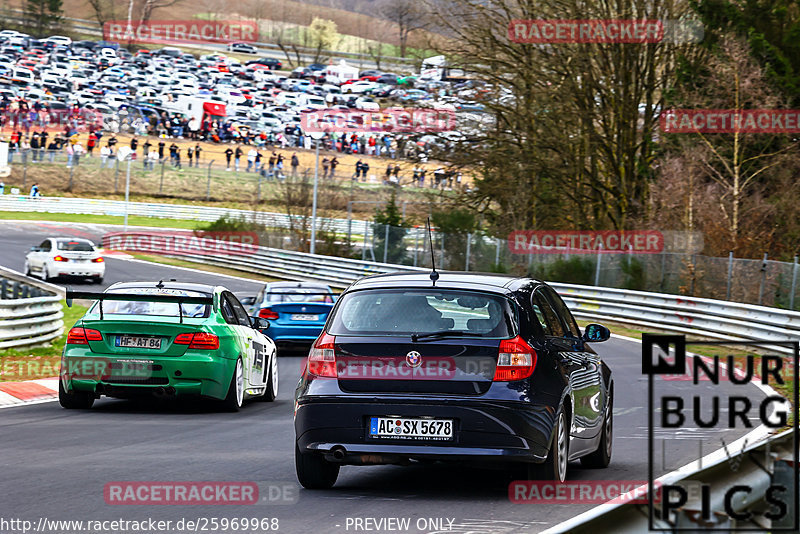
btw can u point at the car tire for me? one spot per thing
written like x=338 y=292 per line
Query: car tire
x=272 y=380
x=601 y=457
x=77 y=400
x=97 y=280
x=45 y=274
x=554 y=468
x=235 y=397
x=314 y=471
x=27 y=269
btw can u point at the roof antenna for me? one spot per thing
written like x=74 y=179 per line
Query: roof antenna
x=160 y=284
x=434 y=275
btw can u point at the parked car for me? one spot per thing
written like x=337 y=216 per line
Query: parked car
x=242 y=48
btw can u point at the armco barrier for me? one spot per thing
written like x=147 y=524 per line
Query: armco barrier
x=30 y=310
x=702 y=317
x=160 y=211
x=764 y=463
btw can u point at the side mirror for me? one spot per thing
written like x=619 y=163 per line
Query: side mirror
x=35 y=249
x=247 y=301
x=596 y=333
x=259 y=323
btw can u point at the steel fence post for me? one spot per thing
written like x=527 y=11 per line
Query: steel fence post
x=116 y=175
x=597 y=267
x=497 y=252
x=794 y=283
x=386 y=245
x=161 y=183
x=763 y=280
x=466 y=263
x=730 y=275
x=208 y=183
x=416 y=244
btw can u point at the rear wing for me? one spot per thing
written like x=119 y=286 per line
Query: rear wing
x=138 y=297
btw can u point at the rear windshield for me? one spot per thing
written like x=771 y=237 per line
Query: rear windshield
x=299 y=294
x=405 y=312
x=75 y=246
x=165 y=309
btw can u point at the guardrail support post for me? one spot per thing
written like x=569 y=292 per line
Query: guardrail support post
x=730 y=276
x=794 y=283
x=763 y=279
x=469 y=242
x=208 y=183
x=161 y=184
x=497 y=251
x=441 y=255
x=597 y=268
x=116 y=175
x=416 y=244
x=386 y=245
x=364 y=248
x=3 y=288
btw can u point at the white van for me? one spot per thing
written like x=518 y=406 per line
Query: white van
x=22 y=75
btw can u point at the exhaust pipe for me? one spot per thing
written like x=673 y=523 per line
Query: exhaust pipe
x=159 y=392
x=339 y=453
x=170 y=390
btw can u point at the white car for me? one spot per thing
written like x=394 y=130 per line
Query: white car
x=358 y=87
x=65 y=256
x=367 y=104
x=59 y=40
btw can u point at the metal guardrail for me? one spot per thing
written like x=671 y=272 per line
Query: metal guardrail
x=160 y=211
x=30 y=311
x=708 y=318
x=768 y=462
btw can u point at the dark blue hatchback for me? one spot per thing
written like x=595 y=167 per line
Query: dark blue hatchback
x=476 y=367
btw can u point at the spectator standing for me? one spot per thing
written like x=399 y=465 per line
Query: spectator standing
x=161 y=145
x=358 y=170
x=271 y=165
x=251 y=159
x=91 y=143
x=334 y=163
x=34 y=146
x=104 y=153
x=279 y=167
x=52 y=148
x=396 y=172
x=295 y=163
x=325 y=165
x=146 y=148
x=364 y=170
x=190 y=154
x=134 y=146
x=197 y=151
x=174 y=156
x=77 y=150
x=238 y=156
x=153 y=158
x=228 y=156
x=257 y=161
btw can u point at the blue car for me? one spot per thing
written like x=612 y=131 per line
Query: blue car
x=296 y=311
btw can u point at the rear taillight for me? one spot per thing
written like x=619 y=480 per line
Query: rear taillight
x=81 y=336
x=60 y=258
x=198 y=340
x=322 y=357
x=266 y=313
x=516 y=360
x=98 y=260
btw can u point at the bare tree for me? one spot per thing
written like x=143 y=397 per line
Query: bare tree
x=408 y=15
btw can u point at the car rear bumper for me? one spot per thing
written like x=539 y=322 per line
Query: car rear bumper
x=79 y=269
x=294 y=333
x=483 y=430
x=122 y=376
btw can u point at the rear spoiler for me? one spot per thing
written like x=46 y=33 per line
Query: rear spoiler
x=137 y=297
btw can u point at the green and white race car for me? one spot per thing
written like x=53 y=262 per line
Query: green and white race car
x=173 y=339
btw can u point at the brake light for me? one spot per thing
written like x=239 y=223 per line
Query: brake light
x=98 y=260
x=516 y=360
x=322 y=357
x=198 y=340
x=60 y=258
x=266 y=313
x=81 y=336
